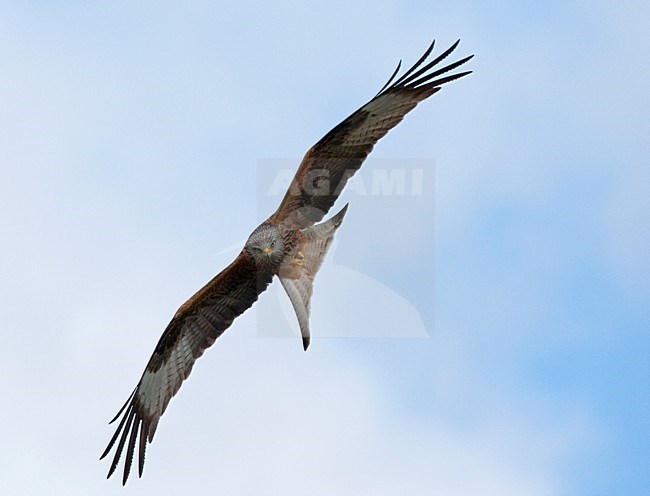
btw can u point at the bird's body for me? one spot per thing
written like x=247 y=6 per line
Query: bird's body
x=289 y=244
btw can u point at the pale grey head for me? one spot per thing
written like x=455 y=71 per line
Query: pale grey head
x=265 y=244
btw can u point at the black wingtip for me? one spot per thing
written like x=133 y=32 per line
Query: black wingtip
x=126 y=428
x=126 y=403
x=130 y=450
x=413 y=68
x=439 y=82
x=305 y=342
x=115 y=436
x=143 y=446
x=390 y=79
x=419 y=77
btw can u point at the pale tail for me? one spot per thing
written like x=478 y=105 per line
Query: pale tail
x=318 y=239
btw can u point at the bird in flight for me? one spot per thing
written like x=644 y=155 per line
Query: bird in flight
x=290 y=244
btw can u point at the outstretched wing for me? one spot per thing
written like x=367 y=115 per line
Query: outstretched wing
x=194 y=328
x=328 y=165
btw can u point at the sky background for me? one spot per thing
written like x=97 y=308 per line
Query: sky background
x=487 y=337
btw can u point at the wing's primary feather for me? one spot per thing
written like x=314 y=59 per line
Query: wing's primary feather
x=424 y=57
x=329 y=164
x=195 y=327
x=390 y=79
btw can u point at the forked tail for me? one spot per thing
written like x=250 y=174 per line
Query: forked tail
x=317 y=240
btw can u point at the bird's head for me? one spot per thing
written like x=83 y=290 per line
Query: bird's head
x=265 y=244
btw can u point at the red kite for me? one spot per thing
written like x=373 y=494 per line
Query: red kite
x=290 y=244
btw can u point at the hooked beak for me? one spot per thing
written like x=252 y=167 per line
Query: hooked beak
x=267 y=251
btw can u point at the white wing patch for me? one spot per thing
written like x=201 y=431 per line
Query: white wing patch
x=157 y=388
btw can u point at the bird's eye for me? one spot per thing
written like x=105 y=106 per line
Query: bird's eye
x=272 y=244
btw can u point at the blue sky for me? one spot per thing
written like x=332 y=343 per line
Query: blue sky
x=487 y=337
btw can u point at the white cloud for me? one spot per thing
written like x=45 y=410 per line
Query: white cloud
x=261 y=416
